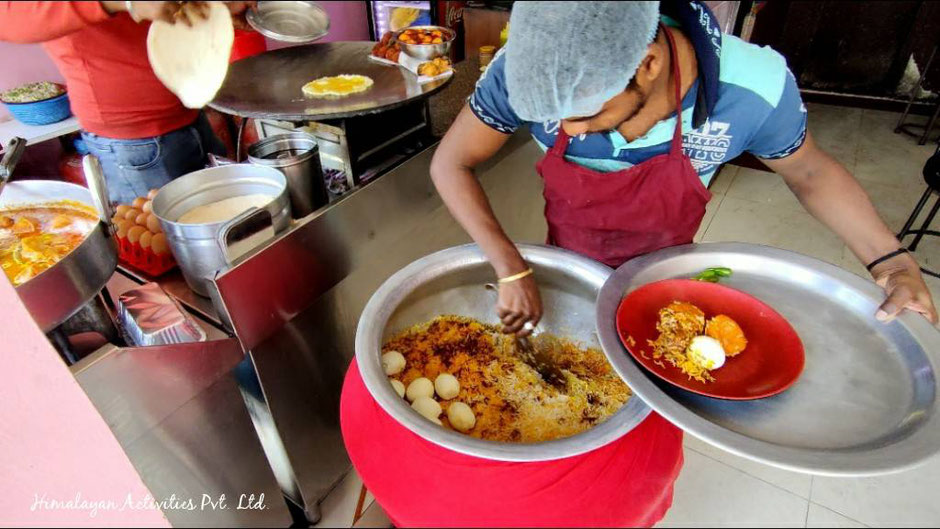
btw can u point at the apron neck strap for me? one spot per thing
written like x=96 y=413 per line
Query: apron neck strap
x=677 y=78
x=561 y=141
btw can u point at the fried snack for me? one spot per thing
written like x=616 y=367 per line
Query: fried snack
x=386 y=49
x=509 y=399
x=728 y=332
x=421 y=36
x=434 y=67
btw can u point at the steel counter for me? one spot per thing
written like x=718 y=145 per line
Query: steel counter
x=178 y=413
x=296 y=303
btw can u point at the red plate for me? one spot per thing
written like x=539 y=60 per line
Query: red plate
x=771 y=363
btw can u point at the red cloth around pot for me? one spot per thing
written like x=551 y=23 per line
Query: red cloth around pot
x=626 y=483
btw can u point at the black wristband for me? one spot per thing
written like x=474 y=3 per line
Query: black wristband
x=885 y=257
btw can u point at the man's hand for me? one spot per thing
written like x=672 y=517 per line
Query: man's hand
x=905 y=287
x=172 y=12
x=468 y=143
x=833 y=196
x=238 y=10
x=519 y=302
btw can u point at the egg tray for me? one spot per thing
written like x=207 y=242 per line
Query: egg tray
x=143 y=259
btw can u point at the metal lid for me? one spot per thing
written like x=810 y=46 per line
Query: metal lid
x=293 y=21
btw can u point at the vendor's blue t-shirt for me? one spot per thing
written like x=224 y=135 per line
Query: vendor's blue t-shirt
x=755 y=106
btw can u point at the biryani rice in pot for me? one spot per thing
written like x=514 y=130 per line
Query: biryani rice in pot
x=431 y=353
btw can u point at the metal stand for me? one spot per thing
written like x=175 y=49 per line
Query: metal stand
x=932 y=176
x=95 y=316
x=905 y=127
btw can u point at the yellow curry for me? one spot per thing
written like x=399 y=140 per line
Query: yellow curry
x=35 y=237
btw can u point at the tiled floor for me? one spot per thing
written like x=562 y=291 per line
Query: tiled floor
x=717 y=489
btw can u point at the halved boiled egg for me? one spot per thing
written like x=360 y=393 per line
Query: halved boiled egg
x=706 y=352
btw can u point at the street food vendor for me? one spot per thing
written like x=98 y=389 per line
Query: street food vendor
x=636 y=106
x=600 y=86
x=141 y=132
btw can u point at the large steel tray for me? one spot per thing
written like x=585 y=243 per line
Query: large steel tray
x=866 y=401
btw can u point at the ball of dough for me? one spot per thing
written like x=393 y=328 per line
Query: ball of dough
x=461 y=417
x=447 y=386
x=419 y=387
x=427 y=407
x=399 y=387
x=393 y=363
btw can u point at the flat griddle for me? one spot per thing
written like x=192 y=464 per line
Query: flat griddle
x=268 y=86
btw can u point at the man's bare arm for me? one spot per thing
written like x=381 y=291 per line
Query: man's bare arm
x=831 y=194
x=468 y=143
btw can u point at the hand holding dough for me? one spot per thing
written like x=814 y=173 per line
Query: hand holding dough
x=393 y=363
x=191 y=60
x=419 y=387
x=447 y=386
x=461 y=417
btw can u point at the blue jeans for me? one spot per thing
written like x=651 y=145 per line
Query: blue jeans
x=133 y=167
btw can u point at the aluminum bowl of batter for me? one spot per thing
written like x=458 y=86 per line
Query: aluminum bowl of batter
x=236 y=200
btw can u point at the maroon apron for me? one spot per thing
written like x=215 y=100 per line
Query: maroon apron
x=627 y=483
x=613 y=217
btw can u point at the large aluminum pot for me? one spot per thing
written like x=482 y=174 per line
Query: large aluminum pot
x=58 y=292
x=426 y=52
x=451 y=282
x=202 y=250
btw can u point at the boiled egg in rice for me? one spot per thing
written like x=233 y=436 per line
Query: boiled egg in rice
x=706 y=352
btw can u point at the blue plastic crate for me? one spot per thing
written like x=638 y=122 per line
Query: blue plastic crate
x=41 y=112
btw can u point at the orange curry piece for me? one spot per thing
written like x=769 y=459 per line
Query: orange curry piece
x=728 y=332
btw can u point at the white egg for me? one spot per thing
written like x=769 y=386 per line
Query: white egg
x=393 y=363
x=706 y=352
x=419 y=387
x=461 y=417
x=399 y=387
x=427 y=407
x=447 y=386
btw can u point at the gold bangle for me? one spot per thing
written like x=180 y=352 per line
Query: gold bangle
x=516 y=277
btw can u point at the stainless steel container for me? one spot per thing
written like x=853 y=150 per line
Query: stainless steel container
x=297 y=155
x=202 y=250
x=451 y=282
x=426 y=52
x=60 y=291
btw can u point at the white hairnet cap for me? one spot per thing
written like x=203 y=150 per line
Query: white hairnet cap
x=565 y=59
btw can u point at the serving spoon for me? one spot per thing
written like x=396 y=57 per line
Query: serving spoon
x=535 y=352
